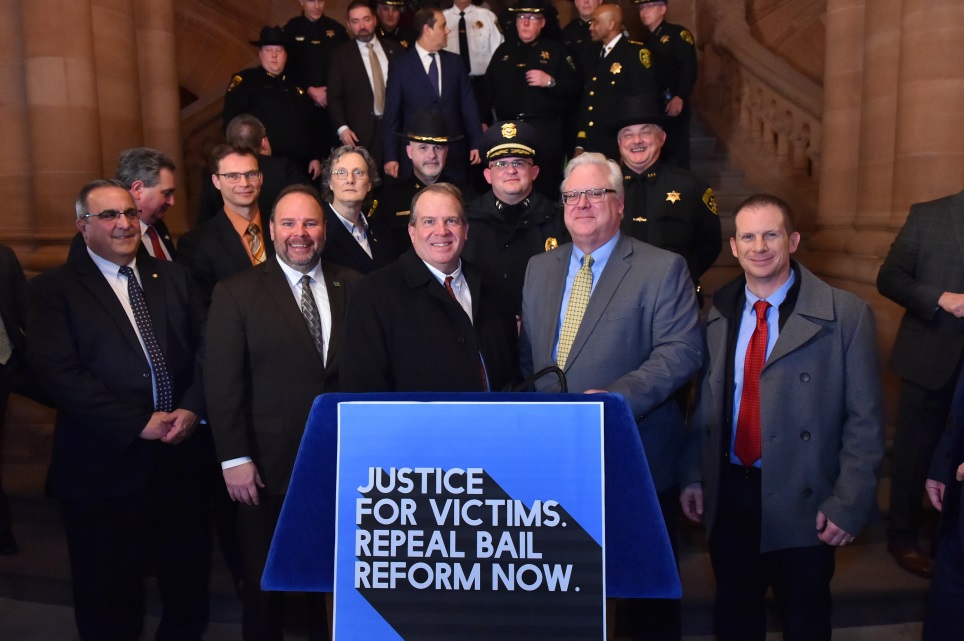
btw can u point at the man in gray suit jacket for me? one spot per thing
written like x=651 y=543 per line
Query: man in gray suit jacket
x=784 y=463
x=639 y=333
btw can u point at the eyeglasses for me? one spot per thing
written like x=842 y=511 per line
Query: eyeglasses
x=235 y=176
x=592 y=195
x=505 y=164
x=342 y=174
x=529 y=18
x=113 y=214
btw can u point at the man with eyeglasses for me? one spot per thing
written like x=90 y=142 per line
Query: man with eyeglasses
x=114 y=342
x=430 y=321
x=619 y=316
x=274 y=336
x=511 y=223
x=148 y=174
x=666 y=206
x=533 y=79
x=234 y=239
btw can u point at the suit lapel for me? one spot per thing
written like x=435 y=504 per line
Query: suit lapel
x=815 y=301
x=339 y=235
x=91 y=278
x=555 y=288
x=279 y=289
x=337 y=303
x=357 y=69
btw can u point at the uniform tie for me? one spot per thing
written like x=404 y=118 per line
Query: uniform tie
x=464 y=44
x=747 y=447
x=578 y=301
x=162 y=376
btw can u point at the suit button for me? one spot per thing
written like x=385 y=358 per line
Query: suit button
x=590 y=107
x=460 y=340
x=808 y=492
x=590 y=123
x=592 y=93
x=594 y=78
x=805 y=377
x=804 y=436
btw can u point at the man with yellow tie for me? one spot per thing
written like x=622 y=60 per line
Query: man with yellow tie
x=234 y=239
x=620 y=316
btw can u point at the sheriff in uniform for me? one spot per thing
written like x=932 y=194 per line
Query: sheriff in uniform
x=534 y=79
x=511 y=223
x=267 y=93
x=624 y=68
x=389 y=13
x=667 y=207
x=674 y=59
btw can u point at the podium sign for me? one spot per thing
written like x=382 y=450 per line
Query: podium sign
x=469 y=521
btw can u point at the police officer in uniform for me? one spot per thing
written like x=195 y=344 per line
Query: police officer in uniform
x=533 y=79
x=267 y=93
x=389 y=14
x=428 y=147
x=665 y=206
x=511 y=223
x=674 y=59
x=577 y=37
x=623 y=68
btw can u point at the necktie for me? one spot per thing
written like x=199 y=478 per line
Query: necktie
x=578 y=301
x=162 y=376
x=464 y=44
x=310 y=311
x=448 y=288
x=156 y=244
x=256 y=243
x=378 y=80
x=433 y=74
x=747 y=447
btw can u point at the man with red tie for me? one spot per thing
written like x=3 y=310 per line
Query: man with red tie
x=148 y=175
x=787 y=434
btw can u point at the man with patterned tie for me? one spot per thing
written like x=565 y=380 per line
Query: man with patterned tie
x=787 y=434
x=115 y=341
x=148 y=174
x=234 y=239
x=620 y=316
x=274 y=346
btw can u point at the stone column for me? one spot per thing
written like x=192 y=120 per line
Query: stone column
x=929 y=159
x=159 y=88
x=16 y=225
x=63 y=120
x=841 y=123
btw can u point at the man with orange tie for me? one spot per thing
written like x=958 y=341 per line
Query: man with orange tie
x=234 y=239
x=148 y=175
x=787 y=434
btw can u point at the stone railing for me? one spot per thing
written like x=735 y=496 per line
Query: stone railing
x=767 y=113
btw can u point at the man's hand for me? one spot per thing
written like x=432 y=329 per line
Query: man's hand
x=314 y=169
x=243 y=482
x=935 y=492
x=319 y=95
x=348 y=138
x=183 y=423
x=391 y=169
x=537 y=78
x=157 y=427
x=674 y=106
x=952 y=304
x=829 y=533
x=691 y=500
x=474 y=157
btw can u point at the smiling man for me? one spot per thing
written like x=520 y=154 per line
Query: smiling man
x=787 y=435
x=430 y=322
x=273 y=347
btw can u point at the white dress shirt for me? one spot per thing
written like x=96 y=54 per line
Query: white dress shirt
x=482 y=32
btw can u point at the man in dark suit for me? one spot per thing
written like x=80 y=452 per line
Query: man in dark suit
x=426 y=76
x=115 y=341
x=430 y=300
x=148 y=175
x=924 y=273
x=277 y=172
x=944 y=618
x=787 y=435
x=616 y=315
x=356 y=82
x=274 y=346
x=233 y=240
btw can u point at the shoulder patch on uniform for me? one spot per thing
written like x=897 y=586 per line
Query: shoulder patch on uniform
x=235 y=81
x=644 y=57
x=709 y=199
x=687 y=36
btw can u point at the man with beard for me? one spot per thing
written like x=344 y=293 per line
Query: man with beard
x=273 y=346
